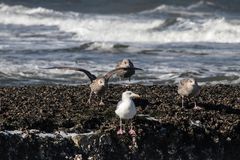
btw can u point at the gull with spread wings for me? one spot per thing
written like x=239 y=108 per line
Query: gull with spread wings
x=98 y=85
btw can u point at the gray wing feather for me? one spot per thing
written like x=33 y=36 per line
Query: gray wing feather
x=89 y=74
x=131 y=64
x=118 y=104
x=112 y=72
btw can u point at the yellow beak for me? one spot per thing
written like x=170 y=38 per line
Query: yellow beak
x=135 y=95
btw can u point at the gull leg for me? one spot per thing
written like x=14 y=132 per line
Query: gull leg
x=120 y=131
x=182 y=102
x=134 y=135
x=132 y=131
x=128 y=83
x=101 y=102
x=123 y=128
x=90 y=96
x=195 y=106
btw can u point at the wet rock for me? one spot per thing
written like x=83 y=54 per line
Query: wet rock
x=165 y=130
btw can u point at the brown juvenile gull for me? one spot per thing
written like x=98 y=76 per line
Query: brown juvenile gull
x=98 y=85
x=126 y=110
x=189 y=88
x=126 y=63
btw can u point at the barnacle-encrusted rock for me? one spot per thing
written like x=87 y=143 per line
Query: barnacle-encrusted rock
x=55 y=122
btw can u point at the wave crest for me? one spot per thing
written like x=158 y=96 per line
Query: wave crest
x=132 y=28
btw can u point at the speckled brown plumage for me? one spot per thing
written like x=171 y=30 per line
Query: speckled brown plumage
x=189 y=88
x=126 y=63
x=98 y=85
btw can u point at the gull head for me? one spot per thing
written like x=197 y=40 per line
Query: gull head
x=126 y=63
x=129 y=94
x=101 y=82
x=192 y=81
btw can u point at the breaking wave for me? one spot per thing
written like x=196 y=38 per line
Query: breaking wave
x=131 y=28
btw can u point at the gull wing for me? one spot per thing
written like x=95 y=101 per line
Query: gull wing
x=89 y=74
x=109 y=74
x=119 y=103
x=131 y=64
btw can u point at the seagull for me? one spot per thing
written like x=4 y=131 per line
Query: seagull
x=98 y=85
x=189 y=88
x=126 y=110
x=126 y=63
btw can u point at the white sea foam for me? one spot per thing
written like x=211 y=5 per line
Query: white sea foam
x=62 y=134
x=160 y=49
x=191 y=10
x=122 y=28
x=164 y=69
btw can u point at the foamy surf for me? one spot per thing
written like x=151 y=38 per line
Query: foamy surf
x=168 y=42
x=122 y=28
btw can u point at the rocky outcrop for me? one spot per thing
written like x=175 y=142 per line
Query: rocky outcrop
x=54 y=122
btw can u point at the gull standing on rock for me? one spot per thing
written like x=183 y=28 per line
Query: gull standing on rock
x=189 y=88
x=98 y=85
x=126 y=110
x=126 y=63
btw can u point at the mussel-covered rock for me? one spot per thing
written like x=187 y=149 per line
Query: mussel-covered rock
x=56 y=122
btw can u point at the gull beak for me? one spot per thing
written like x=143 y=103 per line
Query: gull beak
x=135 y=95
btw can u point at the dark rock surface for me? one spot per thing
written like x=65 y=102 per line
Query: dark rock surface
x=164 y=129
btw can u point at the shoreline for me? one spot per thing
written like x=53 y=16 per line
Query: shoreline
x=65 y=103
x=160 y=119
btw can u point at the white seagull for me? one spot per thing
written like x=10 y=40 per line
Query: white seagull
x=126 y=110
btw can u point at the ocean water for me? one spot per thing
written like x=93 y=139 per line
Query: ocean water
x=170 y=41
